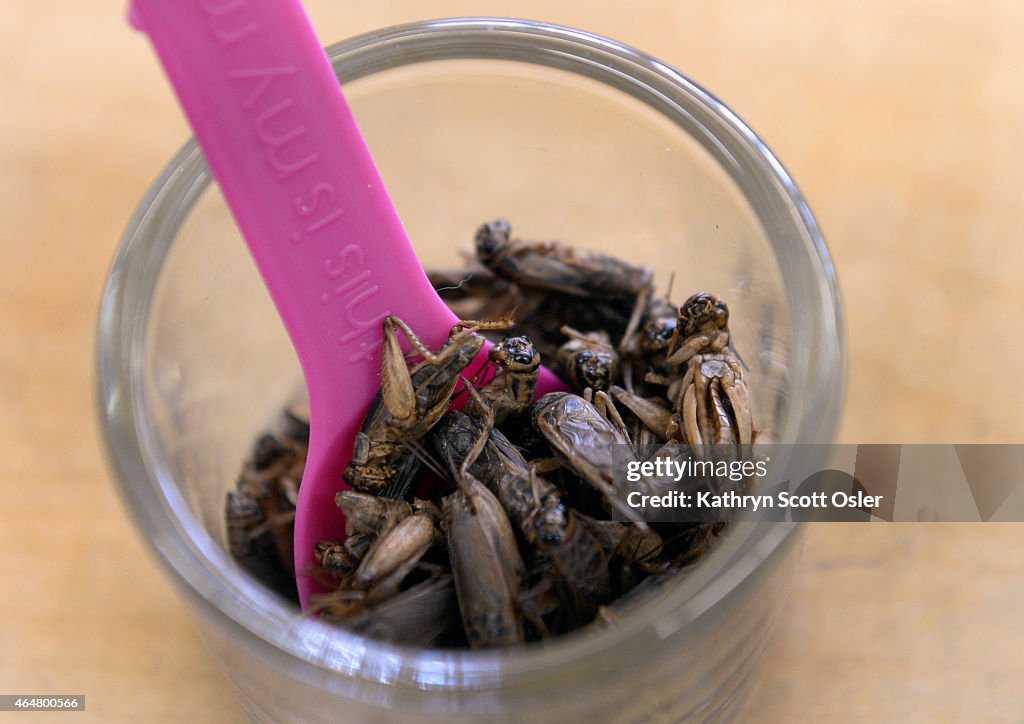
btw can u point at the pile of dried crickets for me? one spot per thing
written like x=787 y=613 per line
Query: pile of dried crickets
x=512 y=539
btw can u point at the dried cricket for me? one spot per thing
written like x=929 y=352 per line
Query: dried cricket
x=581 y=563
x=588 y=360
x=497 y=462
x=259 y=543
x=584 y=440
x=654 y=331
x=398 y=539
x=512 y=389
x=260 y=512
x=395 y=554
x=244 y=524
x=703 y=327
x=411 y=401
x=533 y=505
x=557 y=267
x=486 y=564
x=711 y=400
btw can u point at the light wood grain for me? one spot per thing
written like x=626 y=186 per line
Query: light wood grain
x=903 y=123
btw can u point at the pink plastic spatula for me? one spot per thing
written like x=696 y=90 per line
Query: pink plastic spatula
x=280 y=139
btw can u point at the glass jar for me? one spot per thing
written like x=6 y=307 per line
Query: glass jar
x=570 y=136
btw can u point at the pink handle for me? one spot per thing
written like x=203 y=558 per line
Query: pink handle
x=267 y=110
x=280 y=139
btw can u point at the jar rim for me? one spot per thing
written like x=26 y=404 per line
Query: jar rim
x=226 y=596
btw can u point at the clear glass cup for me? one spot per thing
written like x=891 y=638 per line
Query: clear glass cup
x=570 y=136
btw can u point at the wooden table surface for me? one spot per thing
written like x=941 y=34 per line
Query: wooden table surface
x=904 y=124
